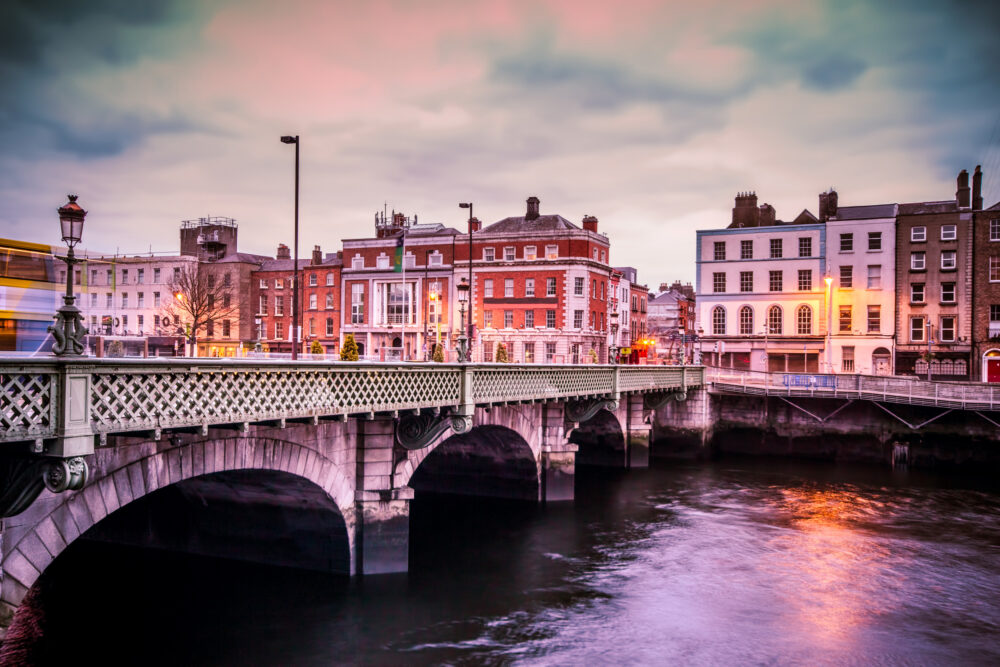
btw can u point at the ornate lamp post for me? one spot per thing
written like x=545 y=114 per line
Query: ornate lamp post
x=697 y=346
x=614 y=336
x=68 y=330
x=468 y=205
x=463 y=340
x=829 y=323
x=257 y=347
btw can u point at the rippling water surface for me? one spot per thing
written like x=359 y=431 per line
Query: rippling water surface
x=730 y=563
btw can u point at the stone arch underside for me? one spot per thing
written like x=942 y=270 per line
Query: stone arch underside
x=491 y=460
x=601 y=440
x=118 y=484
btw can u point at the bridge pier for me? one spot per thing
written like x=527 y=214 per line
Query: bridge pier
x=557 y=460
x=382 y=513
x=638 y=427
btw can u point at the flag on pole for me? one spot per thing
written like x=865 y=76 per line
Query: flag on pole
x=397 y=260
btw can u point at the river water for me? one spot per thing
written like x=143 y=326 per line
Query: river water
x=736 y=562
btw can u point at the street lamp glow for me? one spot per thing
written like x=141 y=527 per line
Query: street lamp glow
x=828 y=280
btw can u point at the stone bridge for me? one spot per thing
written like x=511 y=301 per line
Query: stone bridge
x=309 y=464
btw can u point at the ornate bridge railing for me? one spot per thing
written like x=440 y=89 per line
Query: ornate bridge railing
x=75 y=400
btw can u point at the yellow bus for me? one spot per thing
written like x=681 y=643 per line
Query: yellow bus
x=29 y=295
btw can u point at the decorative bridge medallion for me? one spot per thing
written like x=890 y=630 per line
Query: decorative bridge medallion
x=419 y=431
x=582 y=410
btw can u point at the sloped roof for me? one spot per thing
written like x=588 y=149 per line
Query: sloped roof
x=803 y=218
x=865 y=212
x=271 y=264
x=918 y=208
x=520 y=225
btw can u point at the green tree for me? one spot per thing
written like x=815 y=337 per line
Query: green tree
x=316 y=348
x=438 y=355
x=350 y=350
x=501 y=353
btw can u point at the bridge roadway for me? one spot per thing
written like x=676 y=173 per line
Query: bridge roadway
x=81 y=439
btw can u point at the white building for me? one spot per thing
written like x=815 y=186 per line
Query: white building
x=861 y=254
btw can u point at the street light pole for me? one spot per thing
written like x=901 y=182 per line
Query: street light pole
x=68 y=330
x=463 y=296
x=468 y=205
x=829 y=323
x=295 y=266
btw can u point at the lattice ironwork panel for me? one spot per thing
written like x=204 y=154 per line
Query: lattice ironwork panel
x=137 y=399
x=496 y=385
x=637 y=378
x=27 y=404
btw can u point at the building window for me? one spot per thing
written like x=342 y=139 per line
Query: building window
x=108 y=301
x=279 y=283
x=803 y=320
x=874 y=240
x=382 y=262
x=125 y=277
x=847 y=243
x=602 y=290
x=719 y=321
x=995 y=229
x=947 y=259
x=529 y=353
x=593 y=289
x=357 y=262
x=775 y=326
x=508 y=319
x=720 y=251
x=917 y=293
x=550 y=319
x=775 y=281
x=508 y=287
x=329 y=326
x=262 y=283
x=210 y=328
x=93 y=300
x=436 y=259
x=947 y=329
x=578 y=286
x=313 y=302
x=746 y=281
x=140 y=299
x=874 y=319
x=279 y=305
x=529 y=287
x=874 y=276
x=551 y=251
x=550 y=287
x=805 y=280
x=225 y=328
x=529 y=319
x=847 y=276
x=994 y=269
x=488 y=288
x=329 y=302
x=918 y=234
x=357 y=303
x=577 y=319
x=277 y=331
x=604 y=257
x=550 y=352
x=805 y=246
x=994 y=312
x=124 y=299
x=949 y=232
x=918 y=261
x=947 y=292
x=489 y=254
x=262 y=305
x=847 y=359
x=329 y=279
x=846 y=321
x=718 y=283
x=140 y=276
x=177 y=274
x=488 y=319
x=156 y=275
x=916 y=329
x=746 y=249
x=530 y=252
x=746 y=321
x=509 y=254
x=312 y=279
x=775 y=248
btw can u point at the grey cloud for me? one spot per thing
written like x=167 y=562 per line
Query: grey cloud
x=833 y=73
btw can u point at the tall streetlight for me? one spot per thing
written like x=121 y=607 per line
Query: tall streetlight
x=463 y=297
x=295 y=266
x=68 y=330
x=614 y=336
x=829 y=323
x=468 y=205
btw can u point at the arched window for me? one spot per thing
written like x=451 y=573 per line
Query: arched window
x=804 y=320
x=746 y=321
x=774 y=324
x=719 y=321
x=312 y=280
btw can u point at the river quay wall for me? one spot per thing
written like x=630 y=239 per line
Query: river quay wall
x=713 y=424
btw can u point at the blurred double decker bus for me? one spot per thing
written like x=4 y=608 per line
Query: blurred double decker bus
x=29 y=295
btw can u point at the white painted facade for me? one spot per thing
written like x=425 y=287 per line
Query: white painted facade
x=861 y=254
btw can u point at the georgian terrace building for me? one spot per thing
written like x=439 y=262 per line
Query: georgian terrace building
x=761 y=297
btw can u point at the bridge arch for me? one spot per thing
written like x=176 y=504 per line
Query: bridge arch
x=121 y=482
x=601 y=440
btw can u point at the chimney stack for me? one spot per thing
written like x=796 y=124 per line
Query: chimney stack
x=590 y=223
x=767 y=216
x=532 y=213
x=962 y=194
x=977 y=189
x=475 y=224
x=746 y=213
x=317 y=255
x=827 y=205
x=283 y=252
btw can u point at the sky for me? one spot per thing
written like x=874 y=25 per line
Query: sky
x=650 y=115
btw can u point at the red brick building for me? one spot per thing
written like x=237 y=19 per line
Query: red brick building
x=985 y=286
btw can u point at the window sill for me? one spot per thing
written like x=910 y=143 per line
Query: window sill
x=873 y=250
x=912 y=270
x=949 y=270
x=918 y=303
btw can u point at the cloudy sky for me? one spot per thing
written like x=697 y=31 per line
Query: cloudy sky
x=650 y=115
